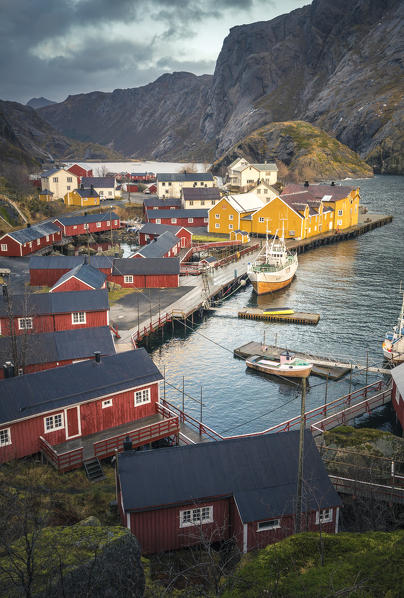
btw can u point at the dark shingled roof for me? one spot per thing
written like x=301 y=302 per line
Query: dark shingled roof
x=55 y=303
x=68 y=262
x=146 y=266
x=160 y=246
x=201 y=193
x=59 y=346
x=98 y=181
x=153 y=202
x=319 y=191
x=25 y=235
x=25 y=396
x=184 y=177
x=45 y=192
x=86 y=273
x=259 y=471
x=177 y=214
x=87 y=192
x=87 y=218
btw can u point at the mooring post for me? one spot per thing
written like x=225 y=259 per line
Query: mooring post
x=183 y=397
x=350 y=382
x=298 y=518
x=325 y=397
x=276 y=339
x=367 y=370
x=200 y=425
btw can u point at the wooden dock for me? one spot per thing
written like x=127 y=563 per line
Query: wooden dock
x=272 y=352
x=254 y=313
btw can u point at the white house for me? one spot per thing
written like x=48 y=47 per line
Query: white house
x=170 y=185
x=105 y=186
x=244 y=175
x=59 y=181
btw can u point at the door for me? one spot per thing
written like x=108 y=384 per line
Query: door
x=73 y=427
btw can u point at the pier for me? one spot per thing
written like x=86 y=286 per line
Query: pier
x=254 y=313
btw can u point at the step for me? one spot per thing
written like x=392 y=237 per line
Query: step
x=93 y=470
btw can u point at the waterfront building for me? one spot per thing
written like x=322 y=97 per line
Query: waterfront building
x=146 y=273
x=46 y=270
x=150 y=231
x=166 y=245
x=194 y=198
x=30 y=239
x=82 y=224
x=82 y=278
x=105 y=186
x=231 y=212
x=170 y=185
x=59 y=181
x=188 y=218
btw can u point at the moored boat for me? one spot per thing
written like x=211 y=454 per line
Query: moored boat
x=274 y=267
x=393 y=345
x=278 y=311
x=288 y=366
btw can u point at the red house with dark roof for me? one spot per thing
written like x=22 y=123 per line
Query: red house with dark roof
x=82 y=278
x=178 y=217
x=146 y=273
x=28 y=240
x=80 y=172
x=47 y=270
x=150 y=231
x=88 y=223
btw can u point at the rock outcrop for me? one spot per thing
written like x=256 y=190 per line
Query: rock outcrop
x=39 y=102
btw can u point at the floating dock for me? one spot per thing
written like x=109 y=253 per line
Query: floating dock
x=254 y=313
x=272 y=352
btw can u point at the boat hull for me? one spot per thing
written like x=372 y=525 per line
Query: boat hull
x=283 y=371
x=261 y=287
x=269 y=282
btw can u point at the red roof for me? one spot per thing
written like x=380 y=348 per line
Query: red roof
x=79 y=171
x=317 y=192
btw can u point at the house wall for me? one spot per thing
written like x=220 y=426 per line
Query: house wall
x=16 y=249
x=49 y=276
x=221 y=216
x=66 y=181
x=73 y=284
x=349 y=206
x=264 y=192
x=93 y=418
x=175 y=221
x=160 y=530
x=13 y=248
x=398 y=404
x=199 y=204
x=172 y=189
x=55 y=322
x=276 y=213
x=75 y=199
x=147 y=281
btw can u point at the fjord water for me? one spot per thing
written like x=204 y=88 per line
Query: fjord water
x=354 y=285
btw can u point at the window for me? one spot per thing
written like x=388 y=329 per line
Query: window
x=230 y=216
x=202 y=202
x=142 y=397
x=270 y=524
x=109 y=192
x=217 y=225
x=323 y=516
x=173 y=221
x=261 y=219
x=158 y=220
x=206 y=220
x=191 y=203
x=25 y=324
x=68 y=187
x=47 y=237
x=116 y=222
x=4 y=247
x=108 y=223
x=190 y=220
x=230 y=227
x=339 y=222
x=128 y=278
x=201 y=184
x=69 y=180
x=171 y=208
x=106 y=403
x=213 y=202
x=38 y=241
x=30 y=244
x=197 y=516
x=5 y=437
x=74 y=226
x=163 y=184
x=54 y=422
x=98 y=225
x=292 y=233
x=265 y=190
x=339 y=212
x=55 y=179
x=258 y=191
x=217 y=215
x=79 y=317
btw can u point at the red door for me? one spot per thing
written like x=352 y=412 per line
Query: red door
x=72 y=422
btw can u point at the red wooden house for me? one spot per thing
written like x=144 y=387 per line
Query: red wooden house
x=88 y=223
x=398 y=392
x=47 y=270
x=154 y=203
x=52 y=349
x=150 y=231
x=188 y=218
x=28 y=240
x=48 y=312
x=146 y=273
x=142 y=176
x=80 y=172
x=166 y=245
x=83 y=411
x=243 y=488
x=82 y=278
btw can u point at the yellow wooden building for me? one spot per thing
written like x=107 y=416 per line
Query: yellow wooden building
x=82 y=198
x=46 y=195
x=229 y=213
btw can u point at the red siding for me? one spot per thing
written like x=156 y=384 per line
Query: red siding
x=48 y=277
x=158 y=531
x=73 y=284
x=38 y=367
x=146 y=282
x=398 y=404
x=181 y=234
x=51 y=323
x=180 y=221
x=13 y=248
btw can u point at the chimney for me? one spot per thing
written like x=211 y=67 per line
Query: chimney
x=85 y=259
x=81 y=186
x=5 y=291
x=8 y=369
x=127 y=444
x=92 y=188
x=333 y=184
x=97 y=356
x=306 y=183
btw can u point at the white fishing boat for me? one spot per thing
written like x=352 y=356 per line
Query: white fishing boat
x=393 y=345
x=274 y=267
x=288 y=365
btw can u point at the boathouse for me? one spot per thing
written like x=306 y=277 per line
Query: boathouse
x=146 y=273
x=46 y=270
x=398 y=392
x=166 y=245
x=243 y=488
x=88 y=223
x=154 y=203
x=188 y=218
x=82 y=278
x=28 y=240
x=81 y=411
x=48 y=312
x=150 y=231
x=52 y=349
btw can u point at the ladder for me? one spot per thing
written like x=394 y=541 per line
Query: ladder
x=93 y=469
x=205 y=289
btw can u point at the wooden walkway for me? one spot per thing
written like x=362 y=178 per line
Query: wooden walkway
x=254 y=313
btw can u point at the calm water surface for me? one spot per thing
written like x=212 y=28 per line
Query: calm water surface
x=354 y=286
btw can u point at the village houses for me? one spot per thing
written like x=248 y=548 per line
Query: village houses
x=59 y=181
x=170 y=185
x=105 y=186
x=243 y=175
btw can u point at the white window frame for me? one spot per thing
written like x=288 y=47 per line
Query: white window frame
x=128 y=278
x=196 y=516
x=190 y=220
x=98 y=225
x=50 y=425
x=173 y=221
x=158 y=220
x=230 y=216
x=217 y=215
x=69 y=180
x=5 y=437
x=116 y=222
x=79 y=317
x=292 y=233
x=263 y=526
x=55 y=179
x=340 y=212
x=217 y=225
x=38 y=241
x=142 y=397
x=74 y=227
x=106 y=403
x=47 y=238
x=206 y=220
x=25 y=323
x=108 y=223
x=4 y=247
x=339 y=222
x=324 y=516
x=230 y=227
x=261 y=219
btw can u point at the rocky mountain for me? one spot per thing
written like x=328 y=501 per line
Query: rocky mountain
x=337 y=64
x=159 y=120
x=306 y=151
x=39 y=102
x=25 y=138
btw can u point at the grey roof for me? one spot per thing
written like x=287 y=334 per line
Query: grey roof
x=55 y=303
x=146 y=266
x=87 y=218
x=49 y=347
x=268 y=166
x=177 y=214
x=41 y=392
x=201 y=193
x=49 y=172
x=260 y=472
x=154 y=202
x=68 y=262
x=98 y=181
x=26 y=235
x=397 y=374
x=157 y=229
x=160 y=246
x=86 y=273
x=87 y=192
x=184 y=177
x=45 y=192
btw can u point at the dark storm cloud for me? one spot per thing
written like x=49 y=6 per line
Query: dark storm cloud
x=57 y=47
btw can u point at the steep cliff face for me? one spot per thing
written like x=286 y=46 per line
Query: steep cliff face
x=335 y=63
x=159 y=120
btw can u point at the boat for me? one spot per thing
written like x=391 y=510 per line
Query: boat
x=278 y=311
x=288 y=365
x=393 y=345
x=274 y=267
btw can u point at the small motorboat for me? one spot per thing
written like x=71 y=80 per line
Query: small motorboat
x=278 y=311
x=288 y=365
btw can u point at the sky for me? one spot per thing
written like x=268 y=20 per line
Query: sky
x=56 y=48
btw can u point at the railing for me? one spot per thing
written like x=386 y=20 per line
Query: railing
x=61 y=461
x=152 y=326
x=167 y=409
x=387 y=492
x=140 y=436
x=195 y=268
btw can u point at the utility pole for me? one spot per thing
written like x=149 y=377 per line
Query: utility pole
x=298 y=518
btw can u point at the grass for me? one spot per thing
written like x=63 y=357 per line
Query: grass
x=117 y=294
x=208 y=238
